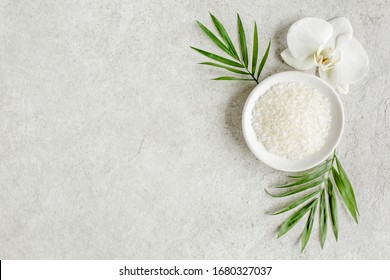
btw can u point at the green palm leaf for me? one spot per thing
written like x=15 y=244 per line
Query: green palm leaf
x=299 y=189
x=307 y=178
x=309 y=226
x=333 y=210
x=226 y=44
x=222 y=31
x=255 y=49
x=347 y=183
x=241 y=33
x=228 y=78
x=218 y=58
x=291 y=221
x=296 y=203
x=225 y=67
x=310 y=171
x=261 y=66
x=347 y=198
x=215 y=39
x=323 y=219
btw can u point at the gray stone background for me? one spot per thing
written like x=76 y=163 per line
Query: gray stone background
x=115 y=144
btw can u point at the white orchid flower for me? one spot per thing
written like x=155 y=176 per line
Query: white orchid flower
x=330 y=45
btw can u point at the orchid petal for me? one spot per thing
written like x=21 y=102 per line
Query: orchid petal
x=306 y=35
x=303 y=65
x=328 y=77
x=342 y=40
x=353 y=64
x=340 y=25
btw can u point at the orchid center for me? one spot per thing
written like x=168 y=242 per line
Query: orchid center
x=326 y=58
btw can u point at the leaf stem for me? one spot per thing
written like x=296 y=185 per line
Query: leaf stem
x=331 y=164
x=254 y=78
x=247 y=70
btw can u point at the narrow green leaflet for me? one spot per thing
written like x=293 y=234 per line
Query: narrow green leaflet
x=218 y=58
x=225 y=67
x=333 y=210
x=299 y=189
x=291 y=221
x=215 y=39
x=310 y=171
x=261 y=66
x=309 y=226
x=347 y=183
x=227 y=78
x=255 y=49
x=307 y=178
x=222 y=31
x=296 y=203
x=323 y=219
x=241 y=33
x=347 y=198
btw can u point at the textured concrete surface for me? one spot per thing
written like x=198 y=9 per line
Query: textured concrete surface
x=114 y=143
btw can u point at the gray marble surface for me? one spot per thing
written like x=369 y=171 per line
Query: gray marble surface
x=115 y=144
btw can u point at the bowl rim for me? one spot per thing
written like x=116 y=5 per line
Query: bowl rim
x=248 y=139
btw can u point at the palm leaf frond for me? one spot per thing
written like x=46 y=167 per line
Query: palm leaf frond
x=241 y=34
x=347 y=183
x=255 y=50
x=225 y=36
x=299 y=189
x=346 y=196
x=219 y=58
x=296 y=203
x=225 y=67
x=323 y=219
x=226 y=45
x=291 y=221
x=319 y=177
x=228 y=78
x=309 y=226
x=333 y=210
x=264 y=59
x=215 y=39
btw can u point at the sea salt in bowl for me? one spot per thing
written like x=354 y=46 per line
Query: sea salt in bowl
x=309 y=161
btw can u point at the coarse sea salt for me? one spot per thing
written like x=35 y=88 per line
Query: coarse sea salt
x=292 y=120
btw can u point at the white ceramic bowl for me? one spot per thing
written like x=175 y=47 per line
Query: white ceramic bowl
x=278 y=162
